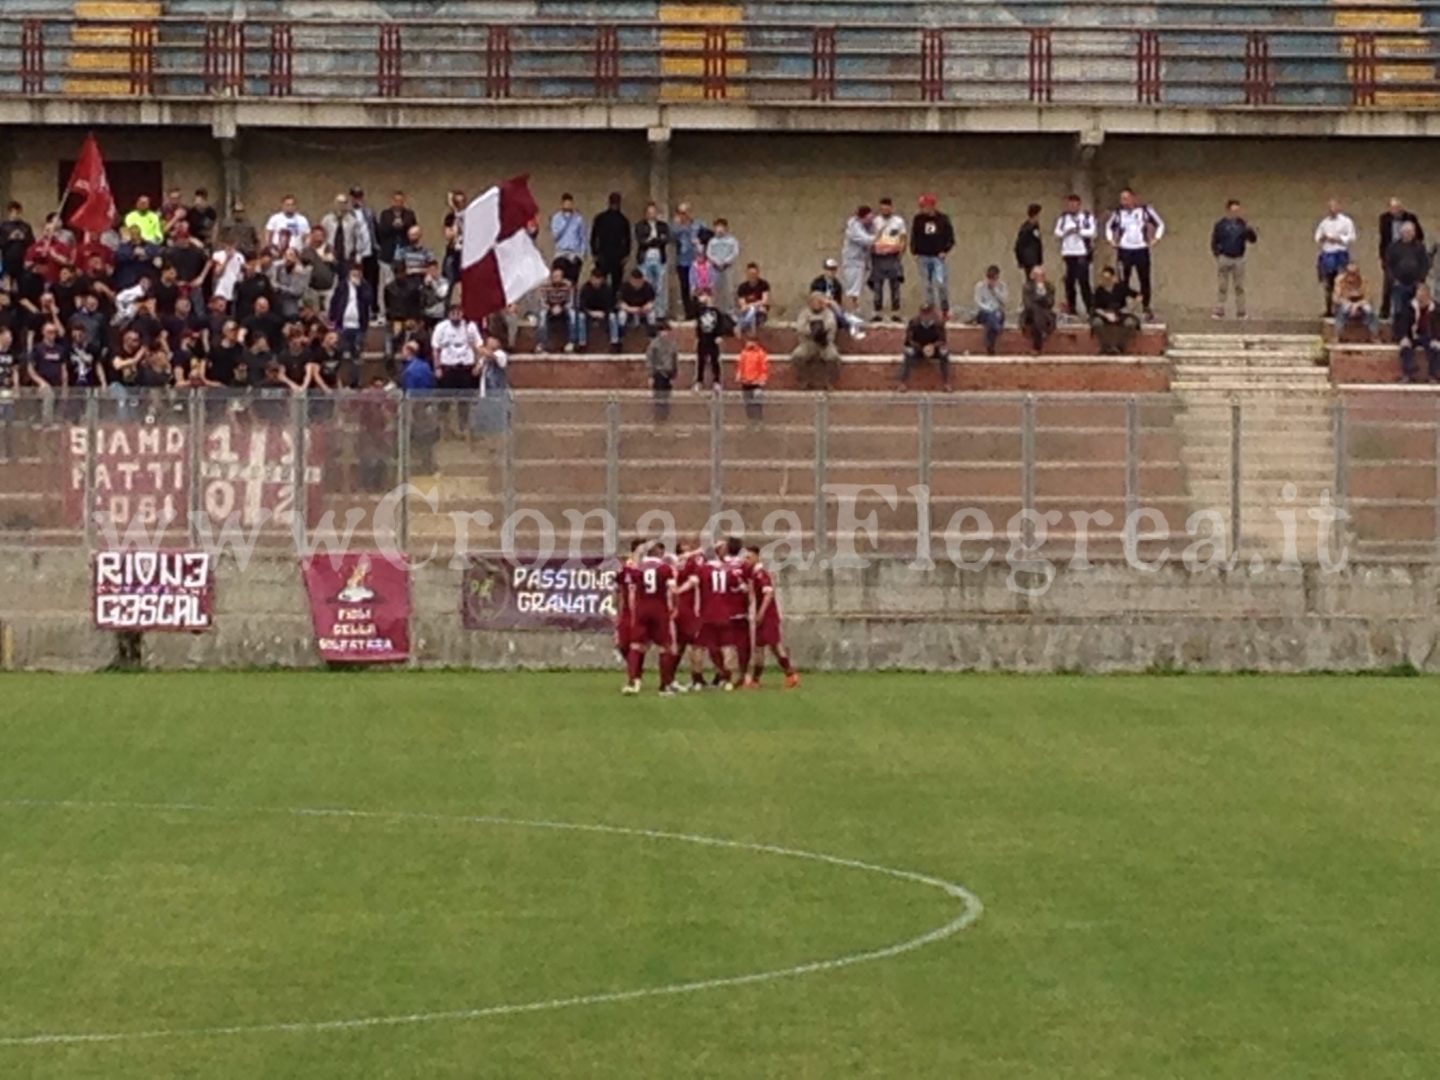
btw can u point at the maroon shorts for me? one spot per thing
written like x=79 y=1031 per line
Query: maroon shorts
x=740 y=633
x=714 y=636
x=767 y=634
x=652 y=628
x=687 y=631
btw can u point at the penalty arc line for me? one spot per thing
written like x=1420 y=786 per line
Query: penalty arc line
x=971 y=910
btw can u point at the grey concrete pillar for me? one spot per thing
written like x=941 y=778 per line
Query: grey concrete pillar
x=659 y=138
x=231 y=173
x=1083 y=167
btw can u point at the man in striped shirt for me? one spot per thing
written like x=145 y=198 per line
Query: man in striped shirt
x=1134 y=229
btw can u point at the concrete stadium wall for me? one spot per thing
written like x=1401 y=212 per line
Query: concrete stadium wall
x=1111 y=618
x=787 y=196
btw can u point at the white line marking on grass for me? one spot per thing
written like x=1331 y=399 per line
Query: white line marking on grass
x=971 y=910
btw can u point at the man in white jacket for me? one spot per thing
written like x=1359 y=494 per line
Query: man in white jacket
x=1335 y=234
x=1076 y=230
x=1134 y=229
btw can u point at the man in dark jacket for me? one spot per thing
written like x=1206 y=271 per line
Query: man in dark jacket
x=925 y=340
x=1391 y=222
x=1029 y=248
x=1407 y=264
x=610 y=240
x=932 y=237
x=1228 y=241
x=393 y=226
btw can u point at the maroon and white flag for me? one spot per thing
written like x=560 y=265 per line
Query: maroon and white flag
x=499 y=262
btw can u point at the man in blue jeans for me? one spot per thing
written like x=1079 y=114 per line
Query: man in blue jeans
x=991 y=297
x=932 y=237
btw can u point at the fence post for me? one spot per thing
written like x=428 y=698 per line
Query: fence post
x=507 y=464
x=822 y=512
x=612 y=460
x=1339 y=437
x=193 y=462
x=923 y=455
x=1236 y=479
x=1027 y=463
x=92 y=417
x=1132 y=456
x=717 y=454
x=402 y=468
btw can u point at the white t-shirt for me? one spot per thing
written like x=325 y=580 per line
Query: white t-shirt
x=1336 y=232
x=351 y=319
x=287 y=231
x=501 y=359
x=228 y=269
x=454 y=344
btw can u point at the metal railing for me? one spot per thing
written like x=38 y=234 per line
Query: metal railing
x=1174 y=53
x=1086 y=476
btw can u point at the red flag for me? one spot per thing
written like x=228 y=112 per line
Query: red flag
x=499 y=262
x=97 y=212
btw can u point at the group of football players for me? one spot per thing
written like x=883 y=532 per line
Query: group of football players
x=690 y=606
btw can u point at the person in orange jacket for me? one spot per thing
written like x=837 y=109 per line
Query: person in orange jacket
x=752 y=370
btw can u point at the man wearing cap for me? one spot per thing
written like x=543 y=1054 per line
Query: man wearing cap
x=932 y=238
x=610 y=240
x=828 y=285
x=855 y=256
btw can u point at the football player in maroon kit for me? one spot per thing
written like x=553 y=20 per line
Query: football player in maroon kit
x=713 y=582
x=623 y=622
x=651 y=584
x=690 y=564
x=767 y=624
x=732 y=552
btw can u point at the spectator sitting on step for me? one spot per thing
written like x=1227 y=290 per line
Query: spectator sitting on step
x=816 y=360
x=830 y=284
x=925 y=340
x=558 y=311
x=1415 y=329
x=991 y=298
x=753 y=297
x=637 y=303
x=1110 y=321
x=1037 y=314
x=597 y=304
x=1351 y=302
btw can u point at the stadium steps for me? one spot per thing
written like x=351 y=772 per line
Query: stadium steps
x=102 y=46
x=1400 y=58
x=1286 y=432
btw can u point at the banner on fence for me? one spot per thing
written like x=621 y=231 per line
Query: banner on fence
x=554 y=594
x=360 y=607
x=152 y=590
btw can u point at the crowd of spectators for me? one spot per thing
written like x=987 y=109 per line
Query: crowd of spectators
x=180 y=295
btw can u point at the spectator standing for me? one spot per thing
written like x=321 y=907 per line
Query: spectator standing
x=829 y=284
x=152 y=230
x=1415 y=329
x=610 y=241
x=925 y=341
x=16 y=236
x=662 y=359
x=652 y=243
x=1392 y=221
x=816 y=360
x=391 y=229
x=454 y=232
x=201 y=217
x=887 y=259
x=1335 y=234
x=239 y=230
x=855 y=255
x=932 y=238
x=992 y=297
x=753 y=297
x=341 y=233
x=1037 y=315
x=1134 y=230
x=1228 y=241
x=367 y=244
x=711 y=324
x=188 y=256
x=721 y=253
x=351 y=305
x=752 y=371
x=571 y=238
x=1407 y=265
x=1076 y=230
x=685 y=233
x=1029 y=244
x=287 y=227
x=455 y=346
x=292 y=281
x=318 y=257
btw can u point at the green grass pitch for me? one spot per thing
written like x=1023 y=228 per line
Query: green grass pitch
x=1182 y=877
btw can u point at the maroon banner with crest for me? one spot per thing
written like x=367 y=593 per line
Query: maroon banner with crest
x=360 y=607
x=554 y=594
